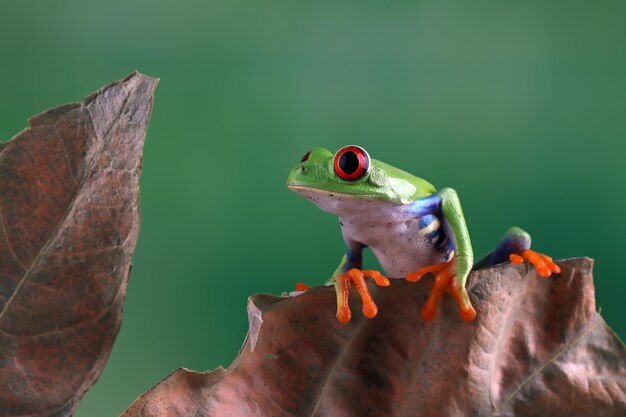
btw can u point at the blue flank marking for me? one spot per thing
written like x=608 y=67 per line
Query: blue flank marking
x=424 y=206
x=437 y=236
x=434 y=234
x=441 y=240
x=426 y=220
x=447 y=248
x=427 y=209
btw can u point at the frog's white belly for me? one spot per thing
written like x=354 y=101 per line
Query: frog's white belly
x=391 y=231
x=400 y=246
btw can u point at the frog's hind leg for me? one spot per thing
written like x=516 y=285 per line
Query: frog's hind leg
x=515 y=240
x=515 y=246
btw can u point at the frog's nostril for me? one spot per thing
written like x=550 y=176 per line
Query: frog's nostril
x=302 y=169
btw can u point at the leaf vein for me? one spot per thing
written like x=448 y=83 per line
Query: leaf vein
x=67 y=212
x=584 y=333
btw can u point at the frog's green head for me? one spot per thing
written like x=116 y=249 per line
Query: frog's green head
x=351 y=173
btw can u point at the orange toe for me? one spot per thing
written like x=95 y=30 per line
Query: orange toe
x=542 y=263
x=344 y=315
x=428 y=312
x=444 y=282
x=430 y=269
x=466 y=310
x=515 y=258
x=370 y=310
x=380 y=280
x=355 y=277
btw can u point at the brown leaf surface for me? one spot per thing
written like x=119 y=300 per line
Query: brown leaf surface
x=69 y=218
x=536 y=348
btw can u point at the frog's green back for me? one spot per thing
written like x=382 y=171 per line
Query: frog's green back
x=422 y=187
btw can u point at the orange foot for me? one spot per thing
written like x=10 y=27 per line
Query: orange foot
x=542 y=262
x=356 y=277
x=301 y=286
x=444 y=281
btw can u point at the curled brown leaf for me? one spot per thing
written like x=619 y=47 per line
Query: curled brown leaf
x=537 y=348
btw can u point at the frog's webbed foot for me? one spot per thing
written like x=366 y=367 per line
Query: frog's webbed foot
x=301 y=286
x=444 y=282
x=544 y=264
x=356 y=277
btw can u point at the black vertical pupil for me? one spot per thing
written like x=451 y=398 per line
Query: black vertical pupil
x=349 y=162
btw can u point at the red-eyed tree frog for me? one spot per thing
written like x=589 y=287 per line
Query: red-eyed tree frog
x=411 y=228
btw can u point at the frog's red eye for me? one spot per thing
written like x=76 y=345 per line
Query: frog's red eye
x=351 y=162
x=305 y=157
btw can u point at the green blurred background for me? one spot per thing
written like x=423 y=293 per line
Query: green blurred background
x=520 y=106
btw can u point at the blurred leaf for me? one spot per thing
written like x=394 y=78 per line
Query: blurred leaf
x=69 y=219
x=537 y=348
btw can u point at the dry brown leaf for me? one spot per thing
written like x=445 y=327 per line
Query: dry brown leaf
x=536 y=348
x=69 y=218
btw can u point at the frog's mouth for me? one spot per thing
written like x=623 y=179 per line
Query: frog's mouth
x=311 y=192
x=330 y=201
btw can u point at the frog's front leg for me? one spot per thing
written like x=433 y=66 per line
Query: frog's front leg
x=450 y=276
x=515 y=246
x=349 y=273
